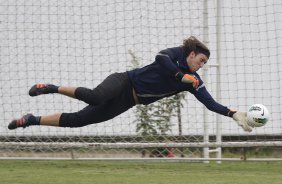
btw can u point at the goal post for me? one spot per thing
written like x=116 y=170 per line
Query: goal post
x=80 y=42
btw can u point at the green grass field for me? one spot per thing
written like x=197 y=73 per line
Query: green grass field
x=137 y=172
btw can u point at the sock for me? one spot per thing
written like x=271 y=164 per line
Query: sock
x=52 y=88
x=34 y=120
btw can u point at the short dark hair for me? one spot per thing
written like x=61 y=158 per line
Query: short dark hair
x=193 y=44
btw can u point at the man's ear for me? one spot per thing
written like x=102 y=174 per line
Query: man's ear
x=192 y=54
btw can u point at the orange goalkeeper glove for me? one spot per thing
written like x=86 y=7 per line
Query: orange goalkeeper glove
x=188 y=78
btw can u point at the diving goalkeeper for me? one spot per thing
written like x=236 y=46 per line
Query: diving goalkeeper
x=174 y=70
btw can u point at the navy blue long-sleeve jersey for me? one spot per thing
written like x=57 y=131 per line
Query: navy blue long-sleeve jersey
x=157 y=80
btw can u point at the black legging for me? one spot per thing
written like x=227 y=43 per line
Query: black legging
x=109 y=99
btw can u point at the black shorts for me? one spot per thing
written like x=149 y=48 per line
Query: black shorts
x=109 y=99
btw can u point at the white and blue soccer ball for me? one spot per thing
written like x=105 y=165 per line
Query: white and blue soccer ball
x=257 y=115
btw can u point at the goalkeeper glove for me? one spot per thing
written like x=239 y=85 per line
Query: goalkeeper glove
x=187 y=78
x=241 y=119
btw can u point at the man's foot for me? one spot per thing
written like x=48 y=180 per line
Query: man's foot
x=39 y=89
x=22 y=122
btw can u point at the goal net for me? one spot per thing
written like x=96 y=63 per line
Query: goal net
x=80 y=42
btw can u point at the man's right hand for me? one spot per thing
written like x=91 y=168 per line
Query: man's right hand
x=188 y=78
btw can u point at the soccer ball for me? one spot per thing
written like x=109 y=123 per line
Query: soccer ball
x=257 y=115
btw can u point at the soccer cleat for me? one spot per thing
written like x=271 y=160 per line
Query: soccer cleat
x=22 y=122
x=39 y=89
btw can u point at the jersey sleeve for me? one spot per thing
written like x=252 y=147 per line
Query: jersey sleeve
x=205 y=98
x=166 y=58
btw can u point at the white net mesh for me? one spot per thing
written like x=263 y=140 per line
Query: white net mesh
x=80 y=42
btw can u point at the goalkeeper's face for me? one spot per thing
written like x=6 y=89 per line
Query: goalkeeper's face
x=196 y=61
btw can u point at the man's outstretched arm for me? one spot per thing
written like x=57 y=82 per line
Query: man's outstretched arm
x=240 y=117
